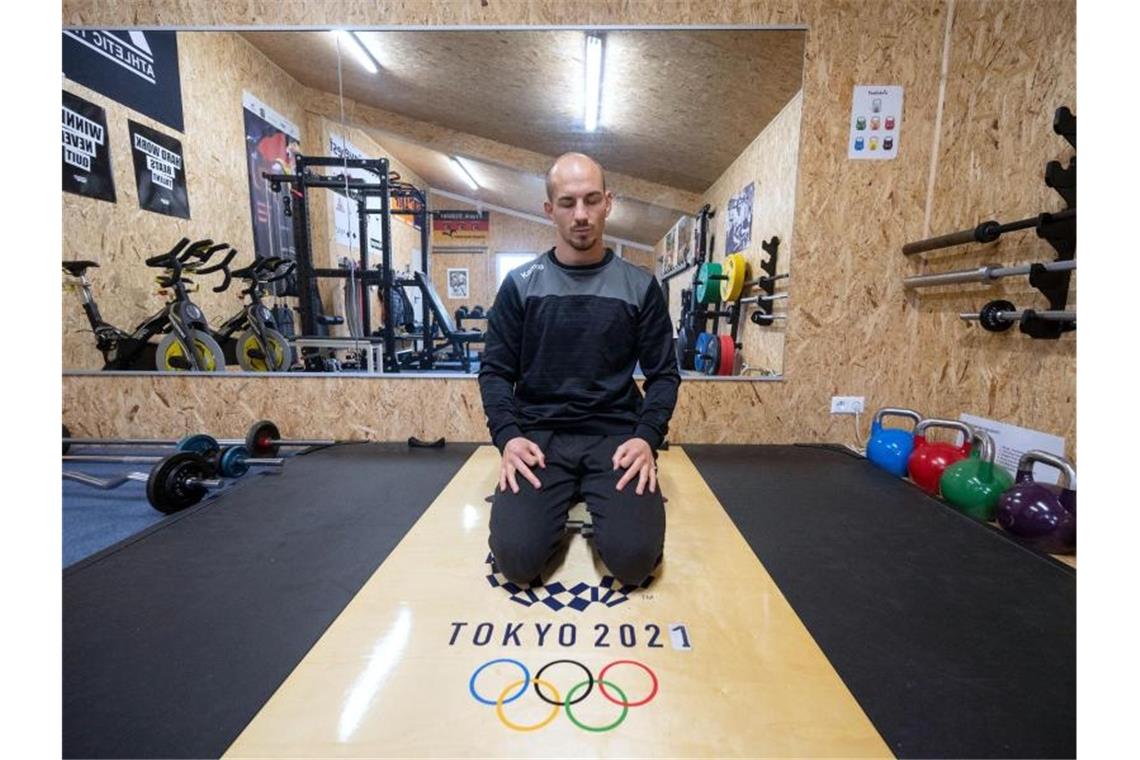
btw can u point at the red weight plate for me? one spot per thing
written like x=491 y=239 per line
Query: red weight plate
x=727 y=355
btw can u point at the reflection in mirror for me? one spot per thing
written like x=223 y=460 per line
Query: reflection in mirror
x=350 y=201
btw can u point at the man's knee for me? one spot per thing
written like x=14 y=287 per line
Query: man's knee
x=631 y=563
x=519 y=560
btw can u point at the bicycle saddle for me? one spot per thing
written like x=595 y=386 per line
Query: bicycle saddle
x=77 y=268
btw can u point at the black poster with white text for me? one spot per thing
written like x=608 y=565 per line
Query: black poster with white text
x=136 y=68
x=159 y=171
x=86 y=149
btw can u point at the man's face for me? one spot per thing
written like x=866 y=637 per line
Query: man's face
x=579 y=205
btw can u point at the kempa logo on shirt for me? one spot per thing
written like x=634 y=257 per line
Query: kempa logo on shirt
x=531 y=269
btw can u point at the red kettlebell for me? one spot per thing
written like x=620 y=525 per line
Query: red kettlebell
x=931 y=458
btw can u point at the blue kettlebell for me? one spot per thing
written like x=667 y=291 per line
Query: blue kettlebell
x=890 y=448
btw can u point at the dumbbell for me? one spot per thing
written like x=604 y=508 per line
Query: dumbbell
x=461 y=314
x=477 y=312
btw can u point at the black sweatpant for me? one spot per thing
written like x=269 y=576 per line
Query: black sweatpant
x=527 y=527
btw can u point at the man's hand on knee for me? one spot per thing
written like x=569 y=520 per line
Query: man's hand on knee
x=637 y=456
x=519 y=455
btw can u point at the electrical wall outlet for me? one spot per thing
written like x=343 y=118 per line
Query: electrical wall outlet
x=846 y=404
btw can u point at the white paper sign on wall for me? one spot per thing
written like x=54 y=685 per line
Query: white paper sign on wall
x=876 y=121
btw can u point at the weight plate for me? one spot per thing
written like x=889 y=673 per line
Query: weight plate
x=708 y=289
x=727 y=355
x=736 y=269
x=169 y=490
x=700 y=352
x=712 y=355
x=261 y=440
x=232 y=462
x=686 y=347
x=206 y=445
x=988 y=317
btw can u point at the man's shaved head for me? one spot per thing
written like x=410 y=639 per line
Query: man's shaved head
x=571 y=162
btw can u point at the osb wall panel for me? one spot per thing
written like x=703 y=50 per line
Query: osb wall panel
x=326 y=250
x=851 y=328
x=342 y=408
x=770 y=162
x=215 y=68
x=1011 y=66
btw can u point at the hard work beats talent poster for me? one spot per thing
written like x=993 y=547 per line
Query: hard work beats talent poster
x=136 y=68
x=159 y=171
x=86 y=149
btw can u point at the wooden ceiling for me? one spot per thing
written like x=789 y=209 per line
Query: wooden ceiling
x=678 y=106
x=630 y=220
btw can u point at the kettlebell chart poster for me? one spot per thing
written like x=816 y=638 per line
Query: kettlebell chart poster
x=86 y=150
x=876 y=121
x=159 y=171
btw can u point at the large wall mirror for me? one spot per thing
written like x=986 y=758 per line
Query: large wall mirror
x=349 y=201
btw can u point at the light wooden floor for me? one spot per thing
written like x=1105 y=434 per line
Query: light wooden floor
x=391 y=676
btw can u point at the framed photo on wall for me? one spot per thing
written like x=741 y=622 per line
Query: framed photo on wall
x=458 y=284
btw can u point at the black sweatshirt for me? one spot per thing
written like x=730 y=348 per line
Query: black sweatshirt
x=562 y=344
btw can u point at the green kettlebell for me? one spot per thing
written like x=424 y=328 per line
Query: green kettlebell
x=974 y=485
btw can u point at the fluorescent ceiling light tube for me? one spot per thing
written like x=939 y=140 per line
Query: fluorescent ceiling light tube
x=348 y=40
x=463 y=171
x=593 y=81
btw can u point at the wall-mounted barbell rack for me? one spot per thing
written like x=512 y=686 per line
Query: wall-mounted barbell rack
x=1052 y=279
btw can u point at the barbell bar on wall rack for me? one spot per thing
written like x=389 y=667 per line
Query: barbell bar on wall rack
x=984 y=274
x=998 y=316
x=986 y=232
x=757 y=299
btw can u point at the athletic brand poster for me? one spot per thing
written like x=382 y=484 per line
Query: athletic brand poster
x=347 y=220
x=137 y=69
x=271 y=143
x=159 y=171
x=739 y=234
x=86 y=150
x=460 y=229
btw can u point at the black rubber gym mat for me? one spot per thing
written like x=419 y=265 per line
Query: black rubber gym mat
x=174 y=641
x=955 y=641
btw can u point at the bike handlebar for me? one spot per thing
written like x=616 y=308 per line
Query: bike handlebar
x=224 y=266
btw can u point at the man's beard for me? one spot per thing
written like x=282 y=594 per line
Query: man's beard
x=586 y=244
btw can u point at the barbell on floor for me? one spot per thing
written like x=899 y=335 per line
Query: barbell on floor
x=232 y=461
x=984 y=274
x=262 y=440
x=174 y=483
x=105 y=484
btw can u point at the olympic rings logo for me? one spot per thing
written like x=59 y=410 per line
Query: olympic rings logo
x=576 y=694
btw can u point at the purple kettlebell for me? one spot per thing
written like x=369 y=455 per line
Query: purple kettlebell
x=1040 y=515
